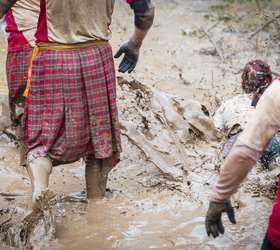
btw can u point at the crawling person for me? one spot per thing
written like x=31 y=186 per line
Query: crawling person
x=70 y=107
x=263 y=125
x=234 y=114
x=256 y=77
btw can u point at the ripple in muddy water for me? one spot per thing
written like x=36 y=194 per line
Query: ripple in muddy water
x=130 y=224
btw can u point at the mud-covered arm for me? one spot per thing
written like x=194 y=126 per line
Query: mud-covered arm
x=143 y=20
x=5 y=5
x=264 y=124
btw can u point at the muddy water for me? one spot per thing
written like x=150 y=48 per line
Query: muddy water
x=134 y=216
x=159 y=221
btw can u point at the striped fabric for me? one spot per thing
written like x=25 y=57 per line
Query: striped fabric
x=16 y=68
x=71 y=110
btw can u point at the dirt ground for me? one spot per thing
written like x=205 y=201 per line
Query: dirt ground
x=158 y=194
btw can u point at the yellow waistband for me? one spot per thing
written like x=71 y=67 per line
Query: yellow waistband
x=62 y=46
x=56 y=46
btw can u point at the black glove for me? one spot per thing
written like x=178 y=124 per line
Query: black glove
x=131 y=54
x=213 y=220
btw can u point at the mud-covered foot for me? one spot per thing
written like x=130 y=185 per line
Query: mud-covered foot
x=37 y=227
x=42 y=200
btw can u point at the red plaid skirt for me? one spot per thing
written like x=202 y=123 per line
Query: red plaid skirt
x=17 y=69
x=71 y=109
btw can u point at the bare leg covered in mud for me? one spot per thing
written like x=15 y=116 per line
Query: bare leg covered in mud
x=97 y=171
x=39 y=170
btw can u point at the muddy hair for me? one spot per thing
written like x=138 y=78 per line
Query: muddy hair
x=256 y=74
x=256 y=77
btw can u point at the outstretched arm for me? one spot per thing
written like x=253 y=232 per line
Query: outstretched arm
x=263 y=125
x=143 y=20
x=5 y=5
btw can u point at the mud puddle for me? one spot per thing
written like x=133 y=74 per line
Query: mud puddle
x=160 y=221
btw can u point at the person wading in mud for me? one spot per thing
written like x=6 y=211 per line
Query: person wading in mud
x=70 y=107
x=263 y=125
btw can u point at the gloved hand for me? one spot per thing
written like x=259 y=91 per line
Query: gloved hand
x=131 y=54
x=213 y=220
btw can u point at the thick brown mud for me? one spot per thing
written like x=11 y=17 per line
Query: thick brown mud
x=158 y=194
x=160 y=221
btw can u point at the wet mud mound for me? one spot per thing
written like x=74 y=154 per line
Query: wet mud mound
x=162 y=126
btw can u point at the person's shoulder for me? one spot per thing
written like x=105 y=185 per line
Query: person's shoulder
x=274 y=89
x=276 y=82
x=271 y=97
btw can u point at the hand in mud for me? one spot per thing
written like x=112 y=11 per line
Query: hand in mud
x=213 y=220
x=131 y=54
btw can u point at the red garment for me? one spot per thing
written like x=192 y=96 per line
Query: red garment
x=17 y=68
x=273 y=231
x=71 y=110
x=16 y=39
x=21 y=24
